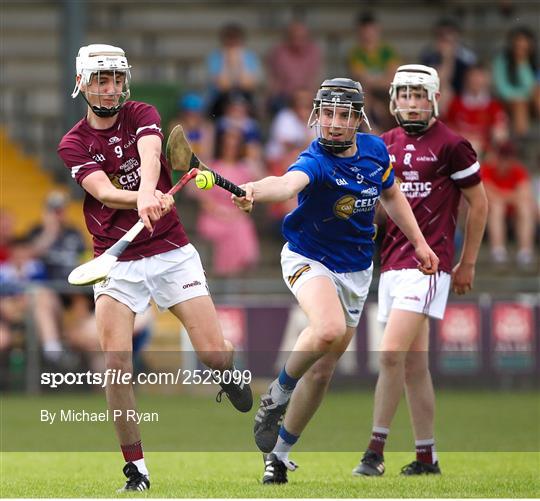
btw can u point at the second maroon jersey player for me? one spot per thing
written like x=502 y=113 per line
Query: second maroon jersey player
x=431 y=169
x=434 y=167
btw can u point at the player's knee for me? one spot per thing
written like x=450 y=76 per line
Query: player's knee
x=391 y=360
x=329 y=331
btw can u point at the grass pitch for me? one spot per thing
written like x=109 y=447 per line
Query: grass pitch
x=238 y=474
x=184 y=451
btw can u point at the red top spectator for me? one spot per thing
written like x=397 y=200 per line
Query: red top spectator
x=475 y=114
x=509 y=192
x=506 y=180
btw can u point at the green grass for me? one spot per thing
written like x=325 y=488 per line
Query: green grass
x=479 y=434
x=475 y=421
x=223 y=475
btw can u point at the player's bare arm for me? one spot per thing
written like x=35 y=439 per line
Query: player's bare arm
x=272 y=189
x=100 y=187
x=463 y=272
x=397 y=207
x=148 y=204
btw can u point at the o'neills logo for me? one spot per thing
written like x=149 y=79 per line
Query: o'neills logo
x=191 y=284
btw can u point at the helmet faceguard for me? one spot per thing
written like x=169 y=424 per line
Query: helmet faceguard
x=95 y=60
x=338 y=93
x=412 y=76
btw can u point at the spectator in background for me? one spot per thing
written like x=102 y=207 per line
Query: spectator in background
x=476 y=114
x=231 y=232
x=236 y=116
x=373 y=63
x=515 y=73
x=56 y=242
x=13 y=308
x=294 y=64
x=450 y=58
x=289 y=136
x=509 y=191
x=536 y=189
x=17 y=274
x=232 y=67
x=60 y=246
x=199 y=131
x=21 y=268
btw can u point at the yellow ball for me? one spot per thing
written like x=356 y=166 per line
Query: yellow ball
x=204 y=180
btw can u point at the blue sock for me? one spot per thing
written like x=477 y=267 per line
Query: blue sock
x=288 y=437
x=287 y=382
x=284 y=443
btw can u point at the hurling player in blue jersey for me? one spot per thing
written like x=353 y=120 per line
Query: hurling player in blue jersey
x=327 y=260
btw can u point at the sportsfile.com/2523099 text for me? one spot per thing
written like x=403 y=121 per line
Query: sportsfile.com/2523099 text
x=117 y=376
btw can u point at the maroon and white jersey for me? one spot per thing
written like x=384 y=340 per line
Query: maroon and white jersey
x=114 y=151
x=431 y=169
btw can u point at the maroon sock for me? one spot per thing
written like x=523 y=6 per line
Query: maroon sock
x=425 y=451
x=132 y=452
x=378 y=440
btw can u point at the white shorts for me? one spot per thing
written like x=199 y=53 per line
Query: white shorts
x=352 y=288
x=411 y=290
x=168 y=278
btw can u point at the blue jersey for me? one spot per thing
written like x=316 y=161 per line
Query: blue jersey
x=333 y=223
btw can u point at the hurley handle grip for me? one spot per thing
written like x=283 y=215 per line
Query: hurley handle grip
x=228 y=185
x=219 y=180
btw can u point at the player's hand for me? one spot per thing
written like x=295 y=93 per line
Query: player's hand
x=462 y=278
x=429 y=262
x=245 y=203
x=149 y=208
x=166 y=201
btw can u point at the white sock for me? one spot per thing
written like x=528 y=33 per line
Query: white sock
x=283 y=456
x=141 y=466
x=282 y=449
x=52 y=349
x=279 y=394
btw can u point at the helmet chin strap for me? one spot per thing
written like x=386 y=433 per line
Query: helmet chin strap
x=101 y=111
x=335 y=146
x=413 y=127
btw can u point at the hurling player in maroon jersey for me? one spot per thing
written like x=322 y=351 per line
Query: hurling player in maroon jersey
x=435 y=167
x=114 y=153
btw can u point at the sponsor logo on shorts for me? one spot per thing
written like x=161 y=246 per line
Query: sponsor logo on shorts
x=191 y=284
x=412 y=298
x=102 y=284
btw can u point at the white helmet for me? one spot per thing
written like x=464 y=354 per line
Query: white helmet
x=415 y=75
x=96 y=58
